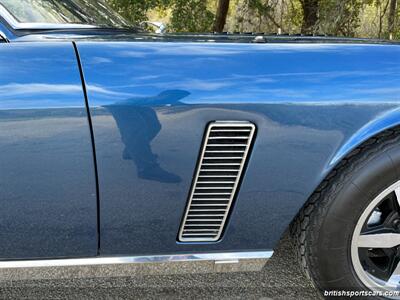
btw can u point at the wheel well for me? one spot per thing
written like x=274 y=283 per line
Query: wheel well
x=395 y=130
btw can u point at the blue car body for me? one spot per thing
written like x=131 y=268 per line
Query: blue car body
x=86 y=119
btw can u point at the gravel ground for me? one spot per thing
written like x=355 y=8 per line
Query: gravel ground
x=280 y=279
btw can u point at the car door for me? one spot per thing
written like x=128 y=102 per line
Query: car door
x=150 y=105
x=47 y=180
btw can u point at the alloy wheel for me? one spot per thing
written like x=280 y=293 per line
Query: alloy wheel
x=375 y=247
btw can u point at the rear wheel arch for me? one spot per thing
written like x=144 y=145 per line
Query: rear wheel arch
x=386 y=122
x=384 y=144
x=357 y=142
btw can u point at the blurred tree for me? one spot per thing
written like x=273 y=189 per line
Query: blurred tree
x=292 y=18
x=191 y=15
x=382 y=7
x=339 y=17
x=222 y=13
x=136 y=10
x=265 y=10
x=364 y=18
x=310 y=15
x=392 y=18
x=258 y=15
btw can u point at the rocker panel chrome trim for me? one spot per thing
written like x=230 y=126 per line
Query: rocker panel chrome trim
x=228 y=256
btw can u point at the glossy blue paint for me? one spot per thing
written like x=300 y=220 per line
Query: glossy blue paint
x=5 y=32
x=382 y=122
x=150 y=103
x=47 y=180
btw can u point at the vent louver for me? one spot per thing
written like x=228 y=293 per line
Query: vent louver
x=224 y=154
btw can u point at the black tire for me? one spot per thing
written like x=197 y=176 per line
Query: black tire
x=323 y=230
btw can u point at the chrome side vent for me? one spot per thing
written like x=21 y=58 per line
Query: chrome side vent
x=224 y=154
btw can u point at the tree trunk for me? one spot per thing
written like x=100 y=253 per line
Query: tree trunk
x=222 y=13
x=392 y=18
x=310 y=15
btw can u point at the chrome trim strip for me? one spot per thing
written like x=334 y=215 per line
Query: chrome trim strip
x=3 y=37
x=49 y=26
x=218 y=228
x=217 y=257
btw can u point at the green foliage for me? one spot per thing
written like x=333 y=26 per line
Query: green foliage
x=255 y=15
x=364 y=18
x=397 y=28
x=191 y=16
x=136 y=10
x=340 y=17
x=187 y=15
x=293 y=20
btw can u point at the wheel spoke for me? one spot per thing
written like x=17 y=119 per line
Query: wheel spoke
x=397 y=193
x=382 y=240
x=394 y=272
x=376 y=241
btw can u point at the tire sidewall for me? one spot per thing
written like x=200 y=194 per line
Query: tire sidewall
x=348 y=198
